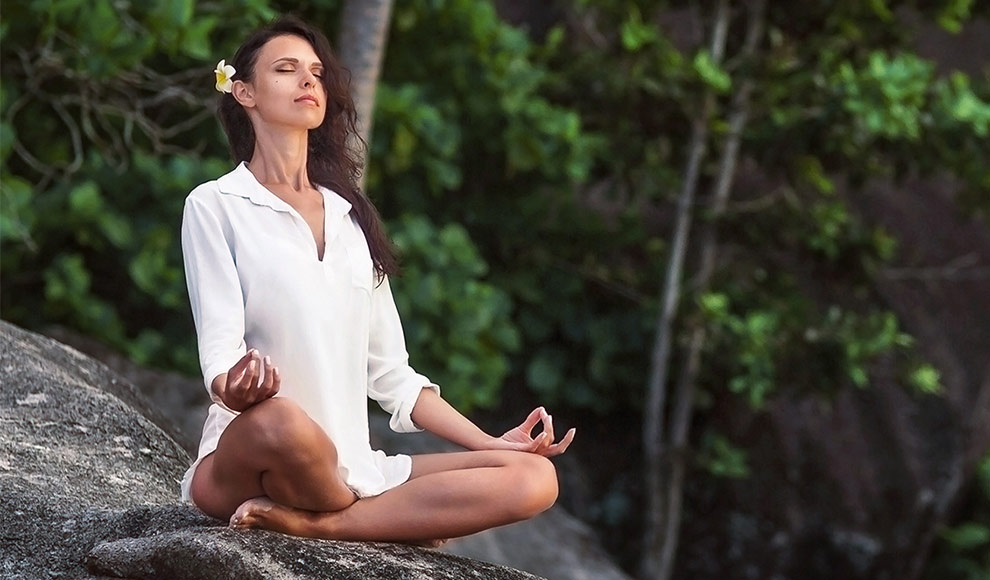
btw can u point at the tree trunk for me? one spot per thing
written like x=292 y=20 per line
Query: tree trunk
x=361 y=47
x=655 y=450
x=683 y=403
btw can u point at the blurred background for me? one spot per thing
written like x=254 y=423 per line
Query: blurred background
x=744 y=248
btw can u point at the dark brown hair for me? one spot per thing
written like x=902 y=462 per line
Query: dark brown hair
x=335 y=147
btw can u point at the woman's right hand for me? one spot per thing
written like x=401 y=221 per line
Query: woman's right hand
x=239 y=388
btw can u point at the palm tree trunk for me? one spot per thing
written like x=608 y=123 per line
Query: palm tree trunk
x=361 y=47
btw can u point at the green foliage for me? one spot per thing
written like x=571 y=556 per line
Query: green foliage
x=887 y=97
x=963 y=549
x=100 y=144
x=954 y=14
x=721 y=458
x=422 y=142
x=755 y=334
x=458 y=327
x=926 y=379
x=635 y=33
x=547 y=167
x=465 y=134
x=711 y=73
x=957 y=104
x=547 y=163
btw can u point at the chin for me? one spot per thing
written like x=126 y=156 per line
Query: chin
x=314 y=121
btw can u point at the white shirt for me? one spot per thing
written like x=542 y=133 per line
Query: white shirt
x=255 y=281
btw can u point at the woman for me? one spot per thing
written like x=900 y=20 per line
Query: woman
x=287 y=266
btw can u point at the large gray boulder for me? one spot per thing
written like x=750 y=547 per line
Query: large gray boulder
x=89 y=483
x=554 y=545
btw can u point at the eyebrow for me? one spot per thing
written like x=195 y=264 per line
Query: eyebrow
x=296 y=61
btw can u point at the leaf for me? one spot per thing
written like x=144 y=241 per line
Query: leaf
x=721 y=458
x=17 y=217
x=85 y=200
x=967 y=536
x=954 y=14
x=711 y=73
x=115 y=228
x=174 y=14
x=926 y=379
x=7 y=138
x=811 y=171
x=715 y=304
x=196 y=38
x=635 y=34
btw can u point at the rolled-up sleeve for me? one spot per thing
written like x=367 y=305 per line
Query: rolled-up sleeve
x=391 y=381
x=214 y=291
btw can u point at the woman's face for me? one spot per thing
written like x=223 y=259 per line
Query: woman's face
x=286 y=89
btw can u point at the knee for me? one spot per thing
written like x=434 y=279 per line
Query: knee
x=535 y=489
x=279 y=426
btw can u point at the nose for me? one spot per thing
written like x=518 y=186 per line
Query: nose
x=309 y=80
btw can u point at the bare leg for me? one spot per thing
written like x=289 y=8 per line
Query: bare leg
x=448 y=495
x=271 y=450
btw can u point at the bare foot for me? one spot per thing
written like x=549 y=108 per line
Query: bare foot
x=262 y=513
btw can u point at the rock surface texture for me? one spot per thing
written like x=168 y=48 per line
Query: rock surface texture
x=555 y=545
x=89 y=483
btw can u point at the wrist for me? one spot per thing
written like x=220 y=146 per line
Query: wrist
x=487 y=442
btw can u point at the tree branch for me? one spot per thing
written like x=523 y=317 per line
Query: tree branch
x=657 y=510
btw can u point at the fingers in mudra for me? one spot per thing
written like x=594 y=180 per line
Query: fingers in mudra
x=251 y=380
x=543 y=443
x=558 y=448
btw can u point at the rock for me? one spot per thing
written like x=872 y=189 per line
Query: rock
x=576 y=553
x=196 y=554
x=555 y=544
x=181 y=400
x=89 y=480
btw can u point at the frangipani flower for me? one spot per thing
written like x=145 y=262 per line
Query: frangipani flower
x=224 y=72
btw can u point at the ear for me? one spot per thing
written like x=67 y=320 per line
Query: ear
x=243 y=93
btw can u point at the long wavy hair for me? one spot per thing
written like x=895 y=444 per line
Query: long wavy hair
x=334 y=158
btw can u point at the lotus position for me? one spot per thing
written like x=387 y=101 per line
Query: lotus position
x=288 y=265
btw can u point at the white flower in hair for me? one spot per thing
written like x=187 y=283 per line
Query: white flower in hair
x=224 y=72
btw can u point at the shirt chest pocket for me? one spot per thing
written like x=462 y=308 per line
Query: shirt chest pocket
x=361 y=266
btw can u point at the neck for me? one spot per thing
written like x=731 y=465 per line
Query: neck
x=280 y=157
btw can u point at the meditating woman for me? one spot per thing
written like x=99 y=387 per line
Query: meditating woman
x=288 y=265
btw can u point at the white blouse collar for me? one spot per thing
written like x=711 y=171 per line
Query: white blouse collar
x=242 y=183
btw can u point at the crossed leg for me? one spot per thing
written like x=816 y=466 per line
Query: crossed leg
x=447 y=495
x=271 y=450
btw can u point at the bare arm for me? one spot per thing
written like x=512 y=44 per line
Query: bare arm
x=435 y=415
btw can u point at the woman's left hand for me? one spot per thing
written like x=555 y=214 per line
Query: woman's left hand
x=521 y=438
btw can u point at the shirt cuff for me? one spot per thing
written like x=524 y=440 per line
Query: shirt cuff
x=401 y=421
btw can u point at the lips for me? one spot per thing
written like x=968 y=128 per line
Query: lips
x=307 y=99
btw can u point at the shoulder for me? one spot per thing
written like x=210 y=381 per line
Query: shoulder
x=208 y=194
x=205 y=193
